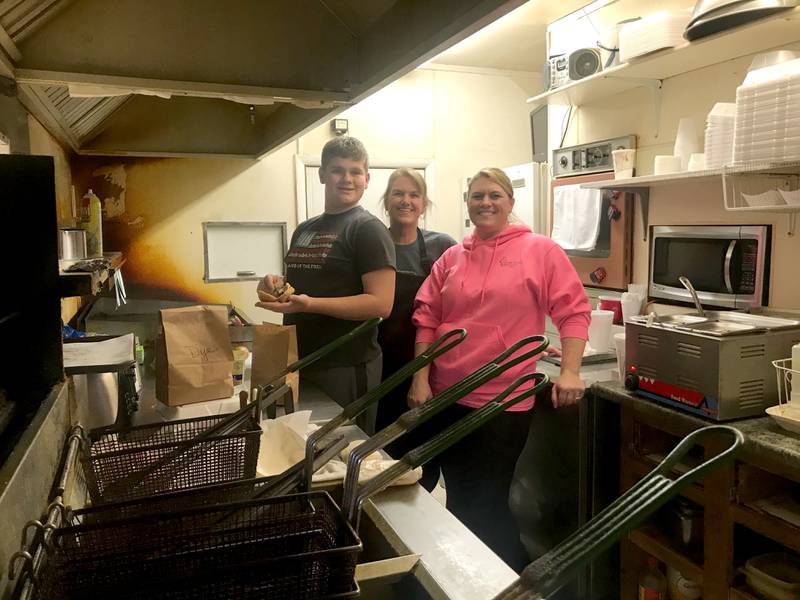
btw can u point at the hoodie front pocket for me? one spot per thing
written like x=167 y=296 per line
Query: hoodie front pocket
x=483 y=343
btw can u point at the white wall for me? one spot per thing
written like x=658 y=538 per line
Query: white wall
x=460 y=121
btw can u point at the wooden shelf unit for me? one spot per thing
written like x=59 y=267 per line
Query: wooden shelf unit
x=641 y=467
x=653 y=541
x=726 y=494
x=650 y=70
x=742 y=593
x=770 y=527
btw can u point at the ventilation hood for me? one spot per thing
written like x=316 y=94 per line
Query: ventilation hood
x=209 y=78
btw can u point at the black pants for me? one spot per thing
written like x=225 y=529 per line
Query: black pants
x=390 y=407
x=477 y=476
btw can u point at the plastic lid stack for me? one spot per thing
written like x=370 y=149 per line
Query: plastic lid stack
x=767 y=125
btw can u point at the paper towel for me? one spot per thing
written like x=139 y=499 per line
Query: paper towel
x=283 y=443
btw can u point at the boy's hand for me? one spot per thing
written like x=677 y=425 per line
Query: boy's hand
x=295 y=304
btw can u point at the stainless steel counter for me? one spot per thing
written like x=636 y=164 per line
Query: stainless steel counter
x=454 y=563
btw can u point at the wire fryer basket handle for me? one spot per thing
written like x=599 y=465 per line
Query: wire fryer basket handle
x=419 y=415
x=446 y=342
x=354 y=496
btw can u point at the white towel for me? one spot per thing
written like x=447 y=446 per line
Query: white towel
x=576 y=217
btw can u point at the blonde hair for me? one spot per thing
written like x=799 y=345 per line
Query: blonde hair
x=498 y=176
x=413 y=175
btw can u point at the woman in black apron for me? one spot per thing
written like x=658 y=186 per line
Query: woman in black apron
x=405 y=201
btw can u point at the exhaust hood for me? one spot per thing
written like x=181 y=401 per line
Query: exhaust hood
x=209 y=78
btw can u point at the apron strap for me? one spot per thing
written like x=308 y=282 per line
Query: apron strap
x=424 y=260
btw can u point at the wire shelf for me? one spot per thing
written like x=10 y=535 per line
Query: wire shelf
x=787 y=412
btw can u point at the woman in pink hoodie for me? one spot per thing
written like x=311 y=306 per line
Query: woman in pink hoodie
x=499 y=285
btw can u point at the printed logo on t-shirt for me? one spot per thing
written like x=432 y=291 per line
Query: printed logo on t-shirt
x=310 y=249
x=507 y=262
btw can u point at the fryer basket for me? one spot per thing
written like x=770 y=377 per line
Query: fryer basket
x=108 y=456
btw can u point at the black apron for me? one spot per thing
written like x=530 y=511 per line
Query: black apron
x=396 y=336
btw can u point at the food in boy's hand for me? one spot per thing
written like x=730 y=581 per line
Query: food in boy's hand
x=279 y=294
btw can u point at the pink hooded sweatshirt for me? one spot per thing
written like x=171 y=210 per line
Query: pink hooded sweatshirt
x=499 y=290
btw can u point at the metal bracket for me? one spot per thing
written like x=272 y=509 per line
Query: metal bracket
x=644 y=207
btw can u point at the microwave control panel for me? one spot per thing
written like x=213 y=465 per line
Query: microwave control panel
x=589 y=158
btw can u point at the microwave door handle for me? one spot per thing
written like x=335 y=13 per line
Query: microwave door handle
x=728 y=260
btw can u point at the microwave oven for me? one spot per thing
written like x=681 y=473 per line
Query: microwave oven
x=728 y=265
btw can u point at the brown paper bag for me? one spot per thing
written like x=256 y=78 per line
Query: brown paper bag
x=194 y=358
x=274 y=347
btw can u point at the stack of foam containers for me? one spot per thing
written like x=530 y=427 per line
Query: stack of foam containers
x=767 y=124
x=719 y=135
x=660 y=30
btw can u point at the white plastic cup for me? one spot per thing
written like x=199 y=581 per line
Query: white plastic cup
x=631 y=305
x=624 y=161
x=619 y=346
x=600 y=330
x=687 y=141
x=664 y=163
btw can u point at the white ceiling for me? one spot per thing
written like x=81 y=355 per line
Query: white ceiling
x=516 y=41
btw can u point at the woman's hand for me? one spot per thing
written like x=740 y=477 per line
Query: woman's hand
x=420 y=391
x=295 y=304
x=567 y=389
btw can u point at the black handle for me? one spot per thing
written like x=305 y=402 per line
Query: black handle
x=446 y=342
x=354 y=496
x=416 y=416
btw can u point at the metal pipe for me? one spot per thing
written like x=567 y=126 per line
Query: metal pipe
x=688 y=285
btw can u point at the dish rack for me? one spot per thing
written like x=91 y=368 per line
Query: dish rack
x=786 y=413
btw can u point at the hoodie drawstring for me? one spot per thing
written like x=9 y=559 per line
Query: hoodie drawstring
x=491 y=262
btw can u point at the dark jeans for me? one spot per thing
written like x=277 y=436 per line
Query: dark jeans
x=345 y=384
x=477 y=476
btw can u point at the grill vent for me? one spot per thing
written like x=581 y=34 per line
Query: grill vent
x=690 y=350
x=650 y=341
x=751 y=393
x=689 y=384
x=648 y=372
x=752 y=351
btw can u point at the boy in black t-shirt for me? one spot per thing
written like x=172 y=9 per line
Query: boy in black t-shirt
x=341 y=265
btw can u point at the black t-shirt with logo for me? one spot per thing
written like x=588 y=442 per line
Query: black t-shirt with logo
x=326 y=259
